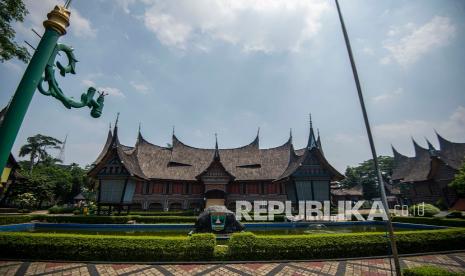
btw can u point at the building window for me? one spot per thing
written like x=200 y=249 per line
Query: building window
x=253 y=188
x=146 y=188
x=157 y=188
x=272 y=188
x=139 y=187
x=196 y=188
x=177 y=188
x=234 y=188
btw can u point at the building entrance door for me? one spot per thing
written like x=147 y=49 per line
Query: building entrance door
x=214 y=201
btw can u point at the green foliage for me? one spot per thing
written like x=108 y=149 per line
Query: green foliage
x=11 y=11
x=106 y=248
x=162 y=213
x=26 y=200
x=11 y=219
x=441 y=204
x=37 y=147
x=428 y=271
x=51 y=184
x=14 y=219
x=247 y=246
x=423 y=210
x=459 y=181
x=455 y=214
x=60 y=210
x=365 y=175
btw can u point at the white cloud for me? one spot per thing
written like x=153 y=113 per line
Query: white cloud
x=452 y=128
x=252 y=25
x=141 y=88
x=112 y=91
x=79 y=25
x=87 y=82
x=388 y=96
x=369 y=51
x=407 y=44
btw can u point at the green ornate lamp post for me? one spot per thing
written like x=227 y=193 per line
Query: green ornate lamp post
x=40 y=69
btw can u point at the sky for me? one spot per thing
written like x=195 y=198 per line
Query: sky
x=233 y=66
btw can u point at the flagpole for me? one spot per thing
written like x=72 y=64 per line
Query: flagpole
x=395 y=254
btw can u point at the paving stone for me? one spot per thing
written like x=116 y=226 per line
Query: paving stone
x=453 y=262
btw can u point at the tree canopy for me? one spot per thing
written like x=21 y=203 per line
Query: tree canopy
x=44 y=179
x=365 y=175
x=459 y=181
x=37 y=147
x=11 y=11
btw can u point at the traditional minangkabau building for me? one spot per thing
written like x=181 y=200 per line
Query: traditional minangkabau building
x=426 y=176
x=10 y=174
x=182 y=177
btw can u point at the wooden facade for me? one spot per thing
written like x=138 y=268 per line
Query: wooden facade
x=181 y=177
x=426 y=176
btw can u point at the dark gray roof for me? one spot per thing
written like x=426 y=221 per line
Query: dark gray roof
x=418 y=168
x=184 y=162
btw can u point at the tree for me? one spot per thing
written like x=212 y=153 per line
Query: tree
x=11 y=11
x=365 y=175
x=459 y=181
x=37 y=147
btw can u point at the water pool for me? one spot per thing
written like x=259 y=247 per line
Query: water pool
x=302 y=228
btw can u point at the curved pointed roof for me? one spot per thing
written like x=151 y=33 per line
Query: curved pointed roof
x=419 y=167
x=105 y=148
x=184 y=162
x=452 y=153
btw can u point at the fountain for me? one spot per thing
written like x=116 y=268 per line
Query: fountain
x=217 y=219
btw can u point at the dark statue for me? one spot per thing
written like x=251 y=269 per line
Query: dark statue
x=217 y=219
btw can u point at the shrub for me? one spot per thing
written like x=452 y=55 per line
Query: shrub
x=163 y=213
x=96 y=219
x=429 y=210
x=455 y=214
x=60 y=210
x=428 y=271
x=13 y=219
x=106 y=248
x=247 y=246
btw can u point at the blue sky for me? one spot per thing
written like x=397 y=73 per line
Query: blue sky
x=230 y=67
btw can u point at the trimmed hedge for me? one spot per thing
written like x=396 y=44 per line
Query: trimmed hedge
x=431 y=221
x=428 y=271
x=247 y=246
x=61 y=210
x=15 y=219
x=106 y=248
x=162 y=213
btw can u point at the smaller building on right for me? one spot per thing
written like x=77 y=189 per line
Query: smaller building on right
x=426 y=176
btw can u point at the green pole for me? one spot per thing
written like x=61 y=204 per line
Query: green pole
x=55 y=27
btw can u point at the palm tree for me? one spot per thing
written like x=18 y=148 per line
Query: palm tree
x=36 y=148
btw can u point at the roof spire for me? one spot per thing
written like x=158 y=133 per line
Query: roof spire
x=396 y=154
x=310 y=120
x=290 y=135
x=117 y=118
x=431 y=149
x=311 y=137
x=115 y=128
x=418 y=148
x=140 y=124
x=216 y=156
x=172 y=133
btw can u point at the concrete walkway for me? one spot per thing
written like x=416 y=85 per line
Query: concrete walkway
x=452 y=261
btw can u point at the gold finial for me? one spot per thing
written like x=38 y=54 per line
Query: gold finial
x=58 y=19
